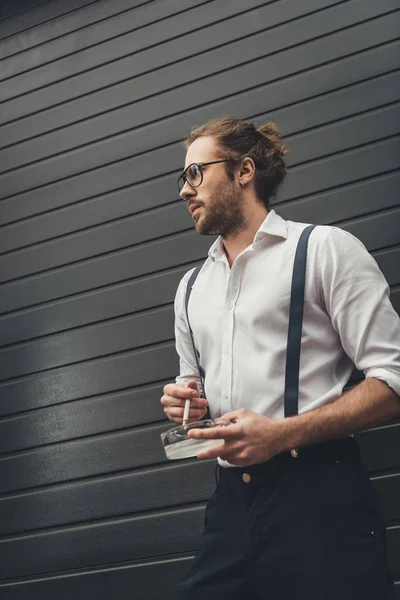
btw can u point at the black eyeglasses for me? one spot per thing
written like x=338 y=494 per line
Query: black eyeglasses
x=193 y=174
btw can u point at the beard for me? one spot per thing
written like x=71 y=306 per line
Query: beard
x=223 y=215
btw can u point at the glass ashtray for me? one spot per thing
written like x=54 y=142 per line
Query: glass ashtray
x=177 y=444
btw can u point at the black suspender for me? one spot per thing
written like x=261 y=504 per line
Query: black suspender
x=189 y=286
x=295 y=324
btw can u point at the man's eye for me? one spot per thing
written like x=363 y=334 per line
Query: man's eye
x=194 y=171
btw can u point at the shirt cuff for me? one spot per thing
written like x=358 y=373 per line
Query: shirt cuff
x=389 y=377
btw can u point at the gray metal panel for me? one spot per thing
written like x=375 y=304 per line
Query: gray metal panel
x=81 y=418
x=297 y=32
x=173 y=218
x=81 y=29
x=344 y=202
x=121 y=581
x=304 y=85
x=127 y=333
x=115 y=495
x=124 y=233
x=349 y=70
x=90 y=378
x=41 y=175
x=82 y=309
x=331 y=107
x=103 y=304
x=234 y=80
x=31 y=13
x=113 y=268
x=9 y=8
x=137 y=28
x=94 y=242
x=316 y=111
x=116 y=540
x=380 y=447
x=108 y=453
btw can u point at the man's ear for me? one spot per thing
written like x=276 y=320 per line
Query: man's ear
x=247 y=171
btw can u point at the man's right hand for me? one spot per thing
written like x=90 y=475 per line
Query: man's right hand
x=174 y=400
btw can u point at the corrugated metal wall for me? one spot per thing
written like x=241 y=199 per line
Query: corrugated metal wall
x=94 y=100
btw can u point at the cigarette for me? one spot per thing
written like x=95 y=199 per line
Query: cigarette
x=186 y=412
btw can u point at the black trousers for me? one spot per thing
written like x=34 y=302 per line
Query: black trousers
x=305 y=528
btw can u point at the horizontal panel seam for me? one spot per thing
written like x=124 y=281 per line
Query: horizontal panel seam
x=103 y=568
x=123 y=353
x=107 y=286
x=69 y=152
x=296 y=199
x=48 y=20
x=219 y=71
x=143 y=312
x=143 y=347
x=144 y=470
x=186 y=57
x=171 y=172
x=145 y=515
x=97 y=436
x=166 y=118
x=120 y=250
x=91 y=24
x=117 y=392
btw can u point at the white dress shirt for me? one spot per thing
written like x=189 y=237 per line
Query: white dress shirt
x=239 y=318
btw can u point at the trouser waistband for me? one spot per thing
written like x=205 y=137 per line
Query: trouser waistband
x=335 y=450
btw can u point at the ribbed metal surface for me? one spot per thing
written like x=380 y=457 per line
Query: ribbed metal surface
x=95 y=99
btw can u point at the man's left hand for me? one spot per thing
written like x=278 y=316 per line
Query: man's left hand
x=249 y=439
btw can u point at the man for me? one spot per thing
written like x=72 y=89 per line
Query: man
x=281 y=525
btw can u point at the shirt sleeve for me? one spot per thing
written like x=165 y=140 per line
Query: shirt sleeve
x=356 y=296
x=183 y=342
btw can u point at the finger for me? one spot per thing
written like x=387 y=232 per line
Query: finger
x=194 y=414
x=228 y=451
x=178 y=391
x=193 y=385
x=194 y=402
x=227 y=432
x=211 y=453
x=176 y=420
x=232 y=416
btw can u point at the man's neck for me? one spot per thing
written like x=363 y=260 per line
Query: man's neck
x=236 y=243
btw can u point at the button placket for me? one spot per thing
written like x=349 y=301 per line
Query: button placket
x=227 y=339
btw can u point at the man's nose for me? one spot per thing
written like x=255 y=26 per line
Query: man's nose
x=187 y=192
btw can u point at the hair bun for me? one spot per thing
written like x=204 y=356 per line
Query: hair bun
x=269 y=130
x=270 y=135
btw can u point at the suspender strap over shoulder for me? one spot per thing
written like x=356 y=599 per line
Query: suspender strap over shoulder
x=295 y=325
x=189 y=286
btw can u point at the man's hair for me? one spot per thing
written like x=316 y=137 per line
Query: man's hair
x=236 y=137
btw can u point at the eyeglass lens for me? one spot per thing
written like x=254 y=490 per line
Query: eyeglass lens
x=192 y=175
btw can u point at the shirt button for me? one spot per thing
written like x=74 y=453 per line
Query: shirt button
x=230 y=307
x=246 y=477
x=226 y=396
x=226 y=350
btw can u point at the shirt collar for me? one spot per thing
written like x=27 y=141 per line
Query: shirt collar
x=273 y=224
